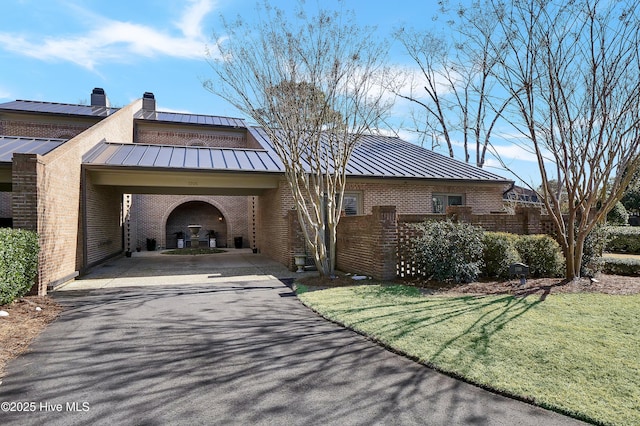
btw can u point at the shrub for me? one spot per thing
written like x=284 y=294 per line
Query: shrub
x=542 y=254
x=499 y=252
x=594 y=245
x=623 y=239
x=618 y=215
x=618 y=266
x=448 y=251
x=18 y=263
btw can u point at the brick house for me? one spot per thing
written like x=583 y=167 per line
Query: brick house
x=96 y=181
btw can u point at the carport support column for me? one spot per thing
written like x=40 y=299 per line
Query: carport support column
x=27 y=177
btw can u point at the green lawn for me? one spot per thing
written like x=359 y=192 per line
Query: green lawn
x=575 y=353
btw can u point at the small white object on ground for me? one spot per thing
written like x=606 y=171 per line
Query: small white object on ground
x=358 y=277
x=38 y=308
x=4 y=314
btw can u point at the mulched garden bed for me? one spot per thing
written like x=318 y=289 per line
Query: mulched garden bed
x=608 y=284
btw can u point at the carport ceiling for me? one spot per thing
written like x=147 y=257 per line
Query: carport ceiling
x=185 y=182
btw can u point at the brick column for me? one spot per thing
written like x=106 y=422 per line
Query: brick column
x=26 y=176
x=385 y=232
x=295 y=240
x=24 y=202
x=531 y=217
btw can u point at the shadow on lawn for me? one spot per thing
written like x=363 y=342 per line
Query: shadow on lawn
x=482 y=318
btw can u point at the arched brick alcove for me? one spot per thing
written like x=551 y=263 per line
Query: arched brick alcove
x=196 y=213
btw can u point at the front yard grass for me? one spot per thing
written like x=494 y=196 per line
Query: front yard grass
x=574 y=353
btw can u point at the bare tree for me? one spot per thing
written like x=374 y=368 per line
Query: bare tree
x=572 y=69
x=312 y=83
x=458 y=81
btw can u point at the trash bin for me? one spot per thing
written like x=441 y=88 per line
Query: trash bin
x=237 y=242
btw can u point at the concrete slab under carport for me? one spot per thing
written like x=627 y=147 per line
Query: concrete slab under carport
x=145 y=269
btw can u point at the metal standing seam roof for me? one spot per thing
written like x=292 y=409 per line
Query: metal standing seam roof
x=57 y=108
x=384 y=156
x=100 y=111
x=23 y=145
x=374 y=156
x=184 y=118
x=186 y=157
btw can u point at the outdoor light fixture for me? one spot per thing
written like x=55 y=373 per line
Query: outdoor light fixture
x=220 y=218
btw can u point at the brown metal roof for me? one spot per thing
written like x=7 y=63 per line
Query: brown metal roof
x=22 y=145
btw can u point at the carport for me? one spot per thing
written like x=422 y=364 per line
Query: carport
x=124 y=170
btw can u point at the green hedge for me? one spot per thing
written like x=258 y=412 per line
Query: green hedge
x=499 y=252
x=624 y=239
x=618 y=215
x=617 y=266
x=448 y=251
x=18 y=263
x=542 y=254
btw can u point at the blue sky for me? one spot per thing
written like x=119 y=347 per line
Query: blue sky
x=59 y=50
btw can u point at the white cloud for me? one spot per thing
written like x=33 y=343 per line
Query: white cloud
x=191 y=21
x=119 y=41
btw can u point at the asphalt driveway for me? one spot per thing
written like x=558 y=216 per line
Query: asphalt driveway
x=230 y=351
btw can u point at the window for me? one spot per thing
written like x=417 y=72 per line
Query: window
x=441 y=201
x=352 y=203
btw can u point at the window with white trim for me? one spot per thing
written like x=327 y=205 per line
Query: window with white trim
x=441 y=201
x=352 y=203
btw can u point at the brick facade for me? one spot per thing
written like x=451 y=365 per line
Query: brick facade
x=161 y=216
x=82 y=222
x=375 y=250
x=415 y=197
x=273 y=224
x=102 y=231
x=368 y=244
x=47 y=197
x=203 y=136
x=5 y=205
x=62 y=129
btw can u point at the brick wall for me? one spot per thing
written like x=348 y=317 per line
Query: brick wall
x=378 y=244
x=5 y=204
x=273 y=222
x=160 y=216
x=102 y=230
x=415 y=197
x=278 y=222
x=368 y=244
x=47 y=198
x=199 y=136
x=38 y=129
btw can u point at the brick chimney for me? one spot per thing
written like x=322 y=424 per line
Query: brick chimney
x=99 y=98
x=148 y=101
